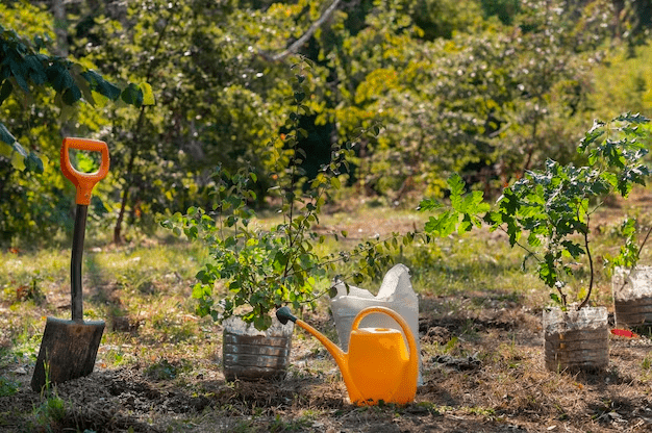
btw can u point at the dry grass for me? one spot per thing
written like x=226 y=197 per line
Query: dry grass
x=158 y=368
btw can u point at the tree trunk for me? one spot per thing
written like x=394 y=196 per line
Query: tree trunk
x=619 y=6
x=129 y=175
x=117 y=230
x=60 y=27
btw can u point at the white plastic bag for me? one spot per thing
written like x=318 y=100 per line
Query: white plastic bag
x=395 y=292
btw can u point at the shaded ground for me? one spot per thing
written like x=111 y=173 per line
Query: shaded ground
x=158 y=369
x=483 y=371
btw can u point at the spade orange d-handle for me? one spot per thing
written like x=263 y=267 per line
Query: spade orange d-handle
x=84 y=182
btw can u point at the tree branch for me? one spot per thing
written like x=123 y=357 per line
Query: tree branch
x=292 y=49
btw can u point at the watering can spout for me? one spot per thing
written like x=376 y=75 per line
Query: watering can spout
x=284 y=314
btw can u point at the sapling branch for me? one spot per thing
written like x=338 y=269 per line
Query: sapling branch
x=293 y=179
x=523 y=247
x=562 y=295
x=266 y=267
x=638 y=256
x=585 y=232
x=647 y=236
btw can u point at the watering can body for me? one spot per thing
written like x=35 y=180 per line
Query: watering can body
x=378 y=366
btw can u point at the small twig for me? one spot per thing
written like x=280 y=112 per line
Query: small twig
x=588 y=254
x=526 y=249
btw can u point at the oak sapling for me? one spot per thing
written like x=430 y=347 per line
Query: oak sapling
x=548 y=213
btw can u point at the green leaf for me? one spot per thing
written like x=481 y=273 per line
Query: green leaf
x=632 y=118
x=71 y=95
x=262 y=322
x=429 y=204
x=280 y=261
x=18 y=73
x=533 y=240
x=5 y=149
x=508 y=202
x=132 y=95
x=596 y=131
x=444 y=225
x=36 y=71
x=5 y=91
x=456 y=185
x=59 y=77
x=8 y=138
x=574 y=249
x=34 y=163
x=547 y=270
x=100 y=85
x=148 y=95
x=628 y=227
x=18 y=161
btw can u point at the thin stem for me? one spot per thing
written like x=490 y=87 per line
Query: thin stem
x=526 y=249
x=564 y=298
x=590 y=257
x=292 y=186
x=638 y=256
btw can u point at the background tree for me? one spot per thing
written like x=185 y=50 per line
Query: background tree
x=38 y=92
x=481 y=88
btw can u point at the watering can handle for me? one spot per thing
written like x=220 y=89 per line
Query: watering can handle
x=84 y=182
x=411 y=343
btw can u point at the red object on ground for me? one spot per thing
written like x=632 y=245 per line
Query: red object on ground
x=624 y=333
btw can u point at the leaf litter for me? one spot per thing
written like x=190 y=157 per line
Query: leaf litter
x=163 y=388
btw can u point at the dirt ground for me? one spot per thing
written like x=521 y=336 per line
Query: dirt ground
x=483 y=372
x=481 y=358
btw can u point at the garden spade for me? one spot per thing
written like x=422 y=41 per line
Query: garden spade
x=69 y=347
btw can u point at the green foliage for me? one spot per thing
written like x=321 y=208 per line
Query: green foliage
x=40 y=95
x=623 y=79
x=489 y=102
x=636 y=16
x=264 y=268
x=455 y=89
x=505 y=10
x=50 y=412
x=629 y=252
x=547 y=213
x=7 y=387
x=212 y=106
x=442 y=18
x=24 y=67
x=162 y=370
x=553 y=207
x=463 y=214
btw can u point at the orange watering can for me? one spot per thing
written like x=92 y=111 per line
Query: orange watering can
x=377 y=366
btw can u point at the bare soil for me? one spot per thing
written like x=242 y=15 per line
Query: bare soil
x=493 y=380
x=482 y=363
